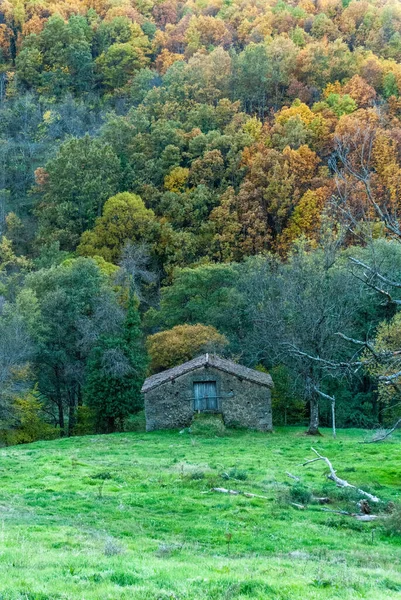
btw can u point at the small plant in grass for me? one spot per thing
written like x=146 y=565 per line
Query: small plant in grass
x=392 y=523
x=229 y=537
x=165 y=550
x=321 y=580
x=300 y=494
x=235 y=473
x=208 y=425
x=338 y=522
x=112 y=547
x=101 y=477
x=389 y=584
x=197 y=475
x=322 y=583
x=135 y=422
x=123 y=579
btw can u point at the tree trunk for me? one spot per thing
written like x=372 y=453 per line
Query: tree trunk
x=59 y=400
x=72 y=417
x=314 y=416
x=111 y=425
x=61 y=417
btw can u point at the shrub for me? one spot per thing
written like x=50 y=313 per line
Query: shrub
x=135 y=422
x=389 y=584
x=86 y=418
x=123 y=579
x=197 y=475
x=392 y=523
x=300 y=494
x=165 y=550
x=208 y=425
x=344 y=523
x=112 y=547
x=235 y=474
x=101 y=477
x=29 y=423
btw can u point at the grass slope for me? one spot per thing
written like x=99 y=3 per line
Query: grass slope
x=155 y=535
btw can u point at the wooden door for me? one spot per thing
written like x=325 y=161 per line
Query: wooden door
x=205 y=395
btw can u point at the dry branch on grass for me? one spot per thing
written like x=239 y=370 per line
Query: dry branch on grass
x=298 y=479
x=337 y=480
x=237 y=493
x=384 y=435
x=363 y=518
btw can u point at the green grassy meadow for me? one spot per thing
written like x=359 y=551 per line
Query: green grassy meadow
x=155 y=531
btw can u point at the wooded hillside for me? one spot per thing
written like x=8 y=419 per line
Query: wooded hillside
x=228 y=166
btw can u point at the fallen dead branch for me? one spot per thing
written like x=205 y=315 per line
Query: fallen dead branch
x=298 y=479
x=385 y=435
x=363 y=518
x=237 y=493
x=337 y=480
x=324 y=500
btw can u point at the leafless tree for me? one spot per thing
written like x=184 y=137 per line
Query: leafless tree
x=364 y=205
x=294 y=310
x=134 y=272
x=106 y=319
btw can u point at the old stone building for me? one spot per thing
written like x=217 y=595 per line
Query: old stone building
x=208 y=383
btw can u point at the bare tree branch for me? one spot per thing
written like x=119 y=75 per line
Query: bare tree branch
x=328 y=363
x=391 y=282
x=341 y=482
x=386 y=434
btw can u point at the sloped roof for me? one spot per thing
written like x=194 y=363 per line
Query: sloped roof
x=211 y=360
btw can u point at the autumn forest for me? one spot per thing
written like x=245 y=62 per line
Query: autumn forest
x=198 y=175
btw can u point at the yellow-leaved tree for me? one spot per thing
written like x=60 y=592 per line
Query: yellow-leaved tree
x=125 y=219
x=386 y=362
x=181 y=343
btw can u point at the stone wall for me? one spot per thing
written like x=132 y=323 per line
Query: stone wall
x=241 y=402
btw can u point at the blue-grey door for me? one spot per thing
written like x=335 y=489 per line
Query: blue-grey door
x=205 y=395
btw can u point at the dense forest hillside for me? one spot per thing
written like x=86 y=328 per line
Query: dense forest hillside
x=217 y=174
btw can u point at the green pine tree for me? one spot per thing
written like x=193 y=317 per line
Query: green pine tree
x=115 y=373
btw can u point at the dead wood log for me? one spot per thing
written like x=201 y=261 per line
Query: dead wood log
x=298 y=479
x=324 y=500
x=338 y=512
x=299 y=506
x=225 y=491
x=363 y=518
x=337 y=480
x=237 y=493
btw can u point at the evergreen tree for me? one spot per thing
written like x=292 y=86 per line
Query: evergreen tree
x=115 y=372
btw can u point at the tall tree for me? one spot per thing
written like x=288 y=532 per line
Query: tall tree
x=295 y=310
x=76 y=305
x=76 y=184
x=115 y=373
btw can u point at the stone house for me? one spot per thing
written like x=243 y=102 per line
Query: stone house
x=208 y=383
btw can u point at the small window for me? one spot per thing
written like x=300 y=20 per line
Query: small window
x=205 y=395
